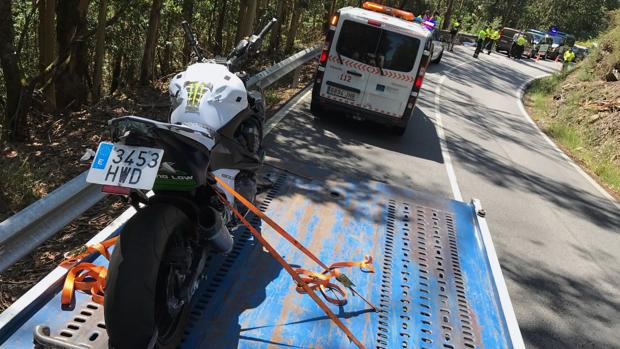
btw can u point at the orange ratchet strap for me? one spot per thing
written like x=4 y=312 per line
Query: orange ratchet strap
x=87 y=277
x=306 y=281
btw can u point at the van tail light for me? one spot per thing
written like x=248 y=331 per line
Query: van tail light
x=323 y=58
x=328 y=42
x=418 y=81
x=374 y=22
x=417 y=84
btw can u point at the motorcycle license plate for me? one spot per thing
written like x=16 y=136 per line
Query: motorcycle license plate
x=338 y=92
x=125 y=166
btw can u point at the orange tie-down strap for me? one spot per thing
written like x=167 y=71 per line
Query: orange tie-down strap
x=307 y=281
x=84 y=276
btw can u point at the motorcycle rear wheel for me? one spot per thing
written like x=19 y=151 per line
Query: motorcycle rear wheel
x=136 y=309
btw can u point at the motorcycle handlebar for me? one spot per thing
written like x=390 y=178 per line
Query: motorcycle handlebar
x=191 y=39
x=267 y=28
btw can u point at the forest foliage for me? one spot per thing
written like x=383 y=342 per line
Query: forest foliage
x=59 y=55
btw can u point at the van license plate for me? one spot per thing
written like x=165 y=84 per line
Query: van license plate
x=338 y=92
x=125 y=166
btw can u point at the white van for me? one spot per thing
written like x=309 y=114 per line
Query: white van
x=372 y=65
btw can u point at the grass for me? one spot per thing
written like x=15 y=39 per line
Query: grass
x=566 y=122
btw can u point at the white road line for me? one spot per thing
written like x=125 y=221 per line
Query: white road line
x=283 y=112
x=520 y=92
x=445 y=152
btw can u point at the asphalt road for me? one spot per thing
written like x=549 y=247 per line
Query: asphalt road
x=556 y=234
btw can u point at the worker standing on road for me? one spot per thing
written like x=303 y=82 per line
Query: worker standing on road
x=493 y=37
x=488 y=42
x=569 y=56
x=518 y=45
x=482 y=36
x=454 y=31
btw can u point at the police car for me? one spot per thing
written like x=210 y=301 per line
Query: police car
x=372 y=65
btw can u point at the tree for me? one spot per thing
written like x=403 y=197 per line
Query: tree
x=99 y=49
x=72 y=77
x=47 y=48
x=293 y=27
x=219 y=29
x=148 y=58
x=247 y=14
x=188 y=15
x=14 y=117
x=274 y=41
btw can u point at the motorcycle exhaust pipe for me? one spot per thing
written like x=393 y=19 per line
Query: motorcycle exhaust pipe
x=211 y=227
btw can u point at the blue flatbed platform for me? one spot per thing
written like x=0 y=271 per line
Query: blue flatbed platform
x=437 y=282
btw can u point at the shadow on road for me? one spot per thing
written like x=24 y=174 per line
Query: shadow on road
x=588 y=314
x=503 y=172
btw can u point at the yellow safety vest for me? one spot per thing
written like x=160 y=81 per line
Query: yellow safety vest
x=569 y=56
x=520 y=40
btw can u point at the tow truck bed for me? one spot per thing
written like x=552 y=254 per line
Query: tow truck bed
x=437 y=282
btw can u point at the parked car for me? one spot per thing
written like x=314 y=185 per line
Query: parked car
x=561 y=41
x=580 y=52
x=541 y=42
x=505 y=41
x=372 y=65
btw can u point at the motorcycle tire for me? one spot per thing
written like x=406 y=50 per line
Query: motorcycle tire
x=132 y=303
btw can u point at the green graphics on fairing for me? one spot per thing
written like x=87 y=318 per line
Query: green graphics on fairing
x=179 y=181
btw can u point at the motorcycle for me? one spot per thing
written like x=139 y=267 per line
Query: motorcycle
x=215 y=129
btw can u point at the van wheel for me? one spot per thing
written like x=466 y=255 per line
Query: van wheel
x=399 y=130
x=437 y=60
x=316 y=109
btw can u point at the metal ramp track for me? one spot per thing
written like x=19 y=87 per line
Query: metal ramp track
x=433 y=283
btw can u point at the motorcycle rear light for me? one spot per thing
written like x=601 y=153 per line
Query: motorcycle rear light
x=116 y=190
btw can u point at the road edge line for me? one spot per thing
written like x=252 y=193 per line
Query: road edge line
x=443 y=143
x=520 y=93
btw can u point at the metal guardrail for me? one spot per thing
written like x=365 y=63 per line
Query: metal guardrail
x=32 y=226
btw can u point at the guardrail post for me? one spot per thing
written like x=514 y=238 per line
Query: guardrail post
x=295 y=81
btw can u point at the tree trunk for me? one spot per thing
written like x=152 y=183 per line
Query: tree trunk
x=241 y=16
x=71 y=25
x=293 y=27
x=246 y=19
x=99 y=49
x=219 y=37
x=448 y=15
x=47 y=48
x=166 y=57
x=274 y=41
x=148 y=58
x=14 y=117
x=188 y=15
x=116 y=72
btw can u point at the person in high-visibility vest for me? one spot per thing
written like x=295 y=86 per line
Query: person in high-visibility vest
x=569 y=56
x=488 y=41
x=518 y=45
x=493 y=37
x=454 y=31
x=482 y=36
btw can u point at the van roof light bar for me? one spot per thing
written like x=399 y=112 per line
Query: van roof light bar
x=408 y=16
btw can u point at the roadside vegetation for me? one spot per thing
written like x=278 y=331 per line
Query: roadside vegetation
x=580 y=108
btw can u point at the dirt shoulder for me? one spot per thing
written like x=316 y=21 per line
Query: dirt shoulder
x=583 y=118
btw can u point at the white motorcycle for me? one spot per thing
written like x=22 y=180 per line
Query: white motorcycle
x=215 y=129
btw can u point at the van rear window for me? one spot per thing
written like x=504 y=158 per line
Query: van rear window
x=372 y=45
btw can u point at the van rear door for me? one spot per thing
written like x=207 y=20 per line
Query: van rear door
x=389 y=87
x=349 y=62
